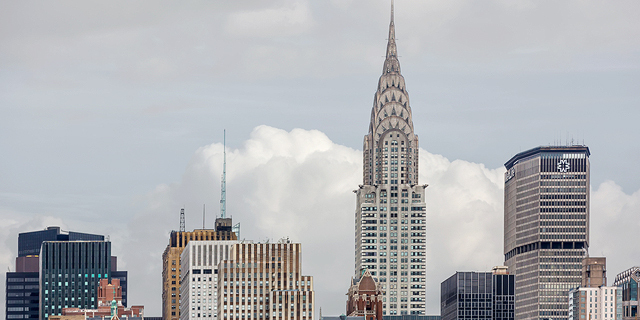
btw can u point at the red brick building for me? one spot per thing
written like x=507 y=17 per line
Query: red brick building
x=109 y=297
x=365 y=298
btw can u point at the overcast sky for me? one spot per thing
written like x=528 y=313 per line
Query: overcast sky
x=112 y=116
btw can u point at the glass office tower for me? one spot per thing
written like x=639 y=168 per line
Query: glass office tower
x=23 y=285
x=69 y=274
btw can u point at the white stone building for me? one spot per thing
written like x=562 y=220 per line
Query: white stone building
x=599 y=303
x=199 y=278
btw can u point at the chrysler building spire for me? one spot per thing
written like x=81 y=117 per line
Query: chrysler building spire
x=391 y=122
x=390 y=226
x=391 y=45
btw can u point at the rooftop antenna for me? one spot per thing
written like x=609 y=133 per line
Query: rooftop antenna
x=182 y=229
x=203 y=211
x=223 y=188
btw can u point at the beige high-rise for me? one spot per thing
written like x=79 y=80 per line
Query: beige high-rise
x=390 y=217
x=546 y=227
x=265 y=281
x=171 y=262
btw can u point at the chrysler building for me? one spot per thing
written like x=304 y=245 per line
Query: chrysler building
x=390 y=212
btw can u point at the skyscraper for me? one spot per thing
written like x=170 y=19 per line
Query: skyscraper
x=171 y=261
x=70 y=272
x=546 y=227
x=199 y=278
x=264 y=281
x=390 y=212
x=23 y=285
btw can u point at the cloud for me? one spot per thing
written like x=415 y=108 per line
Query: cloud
x=299 y=184
x=615 y=221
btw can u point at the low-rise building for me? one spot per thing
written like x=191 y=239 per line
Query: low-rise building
x=478 y=295
x=365 y=298
x=109 y=304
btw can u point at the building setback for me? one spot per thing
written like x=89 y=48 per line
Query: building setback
x=390 y=218
x=546 y=227
x=171 y=262
x=199 y=278
x=265 y=281
x=478 y=295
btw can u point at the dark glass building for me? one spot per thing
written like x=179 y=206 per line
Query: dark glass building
x=546 y=227
x=69 y=274
x=22 y=295
x=122 y=276
x=62 y=259
x=22 y=286
x=477 y=295
x=29 y=242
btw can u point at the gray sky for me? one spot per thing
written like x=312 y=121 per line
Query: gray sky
x=112 y=119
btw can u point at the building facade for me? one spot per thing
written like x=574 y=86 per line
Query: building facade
x=478 y=295
x=594 y=272
x=22 y=295
x=171 y=262
x=595 y=303
x=364 y=298
x=390 y=217
x=199 y=278
x=627 y=281
x=69 y=274
x=265 y=281
x=594 y=299
x=23 y=285
x=546 y=227
x=110 y=303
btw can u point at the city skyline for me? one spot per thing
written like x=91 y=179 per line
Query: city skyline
x=84 y=140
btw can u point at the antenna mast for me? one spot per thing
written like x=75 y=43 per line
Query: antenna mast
x=203 y=211
x=182 y=229
x=223 y=188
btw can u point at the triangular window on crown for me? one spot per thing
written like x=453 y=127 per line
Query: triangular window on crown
x=393 y=111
